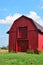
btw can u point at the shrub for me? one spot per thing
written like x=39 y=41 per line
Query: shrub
x=4 y=47
x=39 y=51
x=12 y=51
x=30 y=51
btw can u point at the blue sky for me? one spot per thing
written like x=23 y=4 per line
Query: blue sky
x=12 y=9
x=9 y=7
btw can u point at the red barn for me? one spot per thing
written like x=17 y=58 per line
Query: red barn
x=24 y=34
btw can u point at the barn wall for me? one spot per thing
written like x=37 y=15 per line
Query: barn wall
x=33 y=40
x=31 y=33
x=40 y=42
x=12 y=41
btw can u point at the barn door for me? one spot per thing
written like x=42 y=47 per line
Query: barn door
x=22 y=32
x=22 y=45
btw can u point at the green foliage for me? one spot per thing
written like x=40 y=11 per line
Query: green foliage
x=30 y=52
x=21 y=59
x=4 y=47
x=12 y=51
x=39 y=51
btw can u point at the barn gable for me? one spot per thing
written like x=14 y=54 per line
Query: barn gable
x=21 y=22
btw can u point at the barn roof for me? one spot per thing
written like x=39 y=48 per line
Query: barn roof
x=38 y=27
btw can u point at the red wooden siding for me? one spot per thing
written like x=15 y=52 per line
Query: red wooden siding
x=40 y=42
x=33 y=40
x=23 y=35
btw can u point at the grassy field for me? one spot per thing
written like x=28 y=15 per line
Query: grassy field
x=20 y=59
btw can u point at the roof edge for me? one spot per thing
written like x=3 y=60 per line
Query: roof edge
x=27 y=18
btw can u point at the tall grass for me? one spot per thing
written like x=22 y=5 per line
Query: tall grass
x=20 y=59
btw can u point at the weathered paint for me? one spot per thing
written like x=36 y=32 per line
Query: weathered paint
x=40 y=42
x=24 y=35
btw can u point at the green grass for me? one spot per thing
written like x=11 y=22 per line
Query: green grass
x=21 y=59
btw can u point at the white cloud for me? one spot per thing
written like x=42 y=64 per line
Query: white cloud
x=35 y=17
x=10 y=19
x=32 y=14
